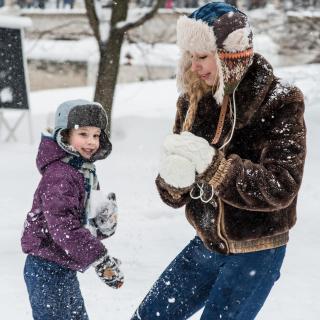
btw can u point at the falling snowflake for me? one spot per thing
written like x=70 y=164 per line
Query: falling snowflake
x=171 y=300
x=6 y=95
x=252 y=273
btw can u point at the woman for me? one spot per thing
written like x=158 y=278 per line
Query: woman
x=235 y=161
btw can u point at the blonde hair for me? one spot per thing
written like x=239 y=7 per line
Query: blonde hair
x=196 y=88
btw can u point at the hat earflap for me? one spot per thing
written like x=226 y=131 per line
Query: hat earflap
x=63 y=144
x=219 y=93
x=182 y=82
x=184 y=65
x=196 y=36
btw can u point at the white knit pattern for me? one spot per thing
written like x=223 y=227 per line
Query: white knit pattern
x=177 y=171
x=189 y=146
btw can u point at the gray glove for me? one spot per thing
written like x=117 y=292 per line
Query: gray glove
x=109 y=272
x=107 y=216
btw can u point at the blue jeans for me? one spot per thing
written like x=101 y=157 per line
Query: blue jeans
x=227 y=286
x=54 y=291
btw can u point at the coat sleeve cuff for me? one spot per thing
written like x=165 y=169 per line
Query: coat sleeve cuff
x=100 y=259
x=220 y=174
x=216 y=171
x=176 y=193
x=174 y=197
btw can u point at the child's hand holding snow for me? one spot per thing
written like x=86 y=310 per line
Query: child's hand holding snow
x=104 y=213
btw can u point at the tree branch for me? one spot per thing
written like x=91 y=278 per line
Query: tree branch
x=93 y=19
x=144 y=18
x=51 y=31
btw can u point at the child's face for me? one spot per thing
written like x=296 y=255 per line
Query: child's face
x=205 y=66
x=85 y=140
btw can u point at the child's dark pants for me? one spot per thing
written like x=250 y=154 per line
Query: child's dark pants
x=54 y=291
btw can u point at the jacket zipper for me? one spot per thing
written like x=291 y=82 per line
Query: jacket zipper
x=220 y=227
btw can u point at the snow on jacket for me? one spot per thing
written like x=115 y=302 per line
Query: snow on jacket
x=54 y=226
x=256 y=178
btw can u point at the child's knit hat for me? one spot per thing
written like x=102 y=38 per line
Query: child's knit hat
x=73 y=114
x=221 y=28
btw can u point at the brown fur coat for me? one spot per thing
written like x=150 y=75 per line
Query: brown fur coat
x=256 y=177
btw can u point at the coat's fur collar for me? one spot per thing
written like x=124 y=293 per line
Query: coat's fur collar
x=255 y=85
x=259 y=85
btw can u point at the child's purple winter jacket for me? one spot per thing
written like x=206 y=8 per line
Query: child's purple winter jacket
x=53 y=229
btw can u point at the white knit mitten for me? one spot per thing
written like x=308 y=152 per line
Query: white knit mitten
x=177 y=171
x=194 y=148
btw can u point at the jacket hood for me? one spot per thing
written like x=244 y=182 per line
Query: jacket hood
x=49 y=152
x=221 y=28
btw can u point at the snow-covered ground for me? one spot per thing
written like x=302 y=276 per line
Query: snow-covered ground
x=150 y=234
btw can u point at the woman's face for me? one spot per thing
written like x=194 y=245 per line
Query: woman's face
x=205 y=66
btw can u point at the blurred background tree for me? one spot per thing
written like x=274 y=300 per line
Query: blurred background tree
x=109 y=34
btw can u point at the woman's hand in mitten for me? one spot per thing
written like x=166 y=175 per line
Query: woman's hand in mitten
x=202 y=152
x=109 y=272
x=177 y=171
x=191 y=147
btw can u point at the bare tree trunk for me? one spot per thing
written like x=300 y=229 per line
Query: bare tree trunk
x=108 y=73
x=110 y=48
x=110 y=60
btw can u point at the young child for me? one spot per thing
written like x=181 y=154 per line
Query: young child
x=61 y=234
